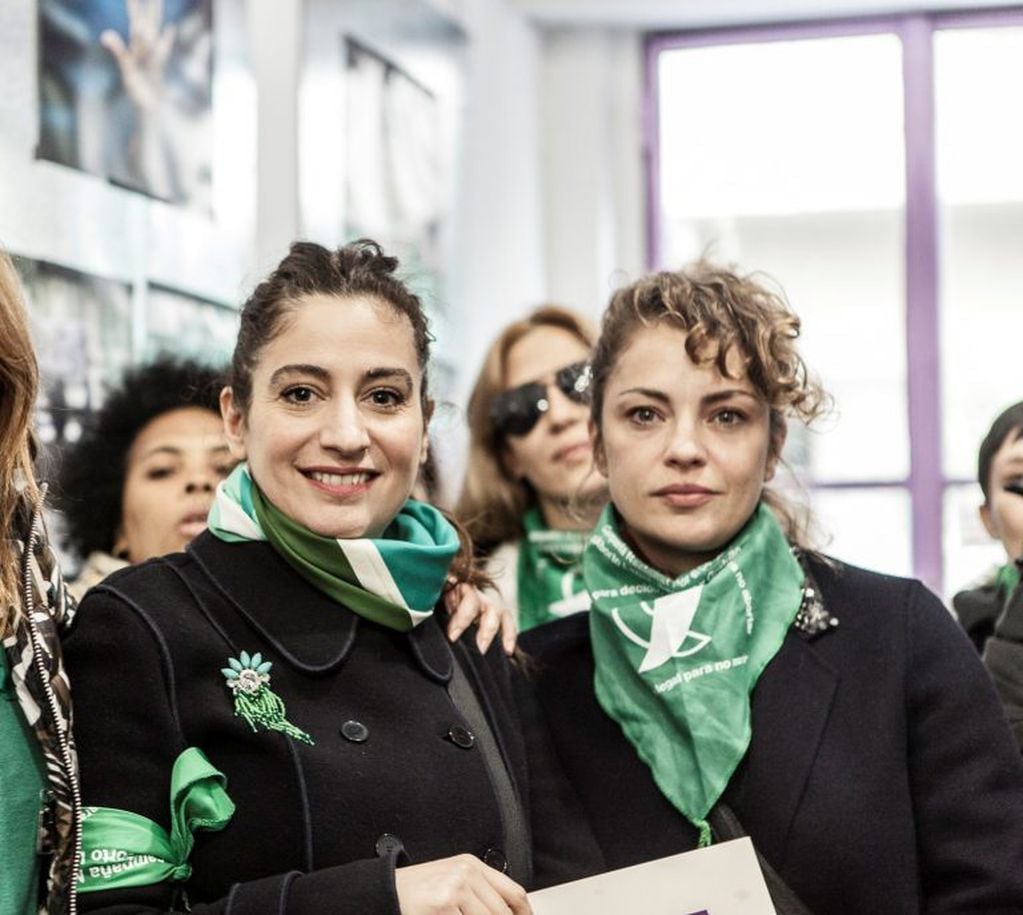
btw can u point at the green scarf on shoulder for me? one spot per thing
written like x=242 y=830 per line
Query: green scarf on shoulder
x=394 y=580
x=677 y=658
x=550 y=580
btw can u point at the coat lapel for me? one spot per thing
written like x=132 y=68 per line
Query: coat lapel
x=308 y=629
x=793 y=697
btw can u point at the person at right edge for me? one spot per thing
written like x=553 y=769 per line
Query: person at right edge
x=1000 y=475
x=1002 y=600
x=728 y=680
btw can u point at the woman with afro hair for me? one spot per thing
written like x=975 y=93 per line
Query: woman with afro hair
x=140 y=480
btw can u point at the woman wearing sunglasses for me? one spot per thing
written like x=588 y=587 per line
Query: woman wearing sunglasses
x=728 y=680
x=531 y=491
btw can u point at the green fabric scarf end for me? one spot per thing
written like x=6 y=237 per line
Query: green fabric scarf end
x=124 y=849
x=549 y=573
x=706 y=836
x=1007 y=579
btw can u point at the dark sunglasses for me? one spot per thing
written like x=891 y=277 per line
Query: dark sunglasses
x=517 y=410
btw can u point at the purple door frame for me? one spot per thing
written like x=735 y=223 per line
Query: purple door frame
x=926 y=482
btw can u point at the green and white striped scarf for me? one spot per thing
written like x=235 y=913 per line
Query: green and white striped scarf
x=394 y=580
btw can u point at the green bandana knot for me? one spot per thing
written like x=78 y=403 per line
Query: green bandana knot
x=122 y=849
x=394 y=580
x=677 y=659
x=550 y=580
x=1007 y=580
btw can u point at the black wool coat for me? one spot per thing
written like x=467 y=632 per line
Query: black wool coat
x=396 y=774
x=881 y=777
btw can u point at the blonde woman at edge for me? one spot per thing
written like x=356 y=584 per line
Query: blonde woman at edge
x=37 y=757
x=531 y=491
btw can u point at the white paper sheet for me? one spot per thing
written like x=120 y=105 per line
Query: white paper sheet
x=724 y=879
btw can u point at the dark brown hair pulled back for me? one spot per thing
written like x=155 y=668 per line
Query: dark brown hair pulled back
x=358 y=269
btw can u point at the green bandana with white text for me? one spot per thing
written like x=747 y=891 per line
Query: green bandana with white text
x=394 y=580
x=550 y=579
x=677 y=659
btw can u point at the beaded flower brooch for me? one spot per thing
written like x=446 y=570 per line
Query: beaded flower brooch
x=248 y=678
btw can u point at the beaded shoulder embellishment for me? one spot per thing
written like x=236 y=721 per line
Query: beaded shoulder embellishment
x=812 y=618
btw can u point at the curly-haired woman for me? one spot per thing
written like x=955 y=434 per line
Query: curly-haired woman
x=728 y=680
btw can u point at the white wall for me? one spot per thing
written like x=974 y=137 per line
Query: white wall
x=498 y=248
x=593 y=175
x=498 y=251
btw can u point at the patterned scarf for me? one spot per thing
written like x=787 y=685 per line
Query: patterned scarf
x=550 y=580
x=393 y=580
x=677 y=659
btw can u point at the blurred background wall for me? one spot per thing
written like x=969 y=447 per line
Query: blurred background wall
x=864 y=154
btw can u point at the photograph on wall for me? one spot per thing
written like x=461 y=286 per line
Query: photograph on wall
x=395 y=150
x=82 y=331
x=189 y=327
x=125 y=92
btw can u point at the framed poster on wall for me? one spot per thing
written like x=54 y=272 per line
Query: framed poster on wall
x=82 y=331
x=125 y=93
x=395 y=181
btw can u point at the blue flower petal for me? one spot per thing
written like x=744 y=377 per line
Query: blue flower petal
x=256 y=660
x=245 y=659
x=264 y=668
x=235 y=663
x=230 y=674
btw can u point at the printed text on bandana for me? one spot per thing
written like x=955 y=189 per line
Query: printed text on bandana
x=108 y=862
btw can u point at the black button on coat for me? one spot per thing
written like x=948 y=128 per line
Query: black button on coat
x=145 y=658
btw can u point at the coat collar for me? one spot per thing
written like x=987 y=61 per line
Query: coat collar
x=309 y=630
x=793 y=697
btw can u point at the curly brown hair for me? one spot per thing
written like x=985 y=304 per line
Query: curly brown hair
x=720 y=311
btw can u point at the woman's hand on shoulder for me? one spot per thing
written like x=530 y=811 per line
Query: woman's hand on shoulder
x=462 y=885
x=468 y=605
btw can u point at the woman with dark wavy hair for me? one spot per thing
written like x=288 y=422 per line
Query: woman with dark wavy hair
x=273 y=720
x=728 y=680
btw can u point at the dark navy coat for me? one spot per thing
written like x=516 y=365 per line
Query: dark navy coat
x=395 y=775
x=881 y=778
